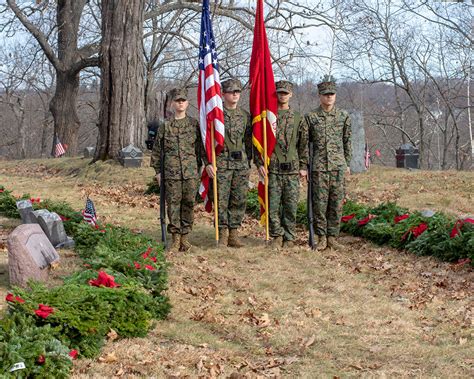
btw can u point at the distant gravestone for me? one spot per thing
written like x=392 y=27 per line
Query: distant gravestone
x=358 y=143
x=131 y=156
x=26 y=211
x=53 y=227
x=30 y=255
x=89 y=152
x=427 y=213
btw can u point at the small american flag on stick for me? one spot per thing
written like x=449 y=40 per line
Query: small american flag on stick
x=59 y=148
x=88 y=214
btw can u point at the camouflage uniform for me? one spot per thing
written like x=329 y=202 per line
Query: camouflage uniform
x=233 y=163
x=330 y=133
x=289 y=157
x=182 y=144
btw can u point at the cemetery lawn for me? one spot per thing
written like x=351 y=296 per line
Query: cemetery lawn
x=367 y=311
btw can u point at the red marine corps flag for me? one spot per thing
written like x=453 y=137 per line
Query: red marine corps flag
x=263 y=105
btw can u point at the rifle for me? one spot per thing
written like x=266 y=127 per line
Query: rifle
x=309 y=201
x=162 y=182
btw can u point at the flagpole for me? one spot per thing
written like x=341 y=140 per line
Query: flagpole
x=214 y=182
x=265 y=165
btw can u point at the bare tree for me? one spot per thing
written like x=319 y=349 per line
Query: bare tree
x=66 y=56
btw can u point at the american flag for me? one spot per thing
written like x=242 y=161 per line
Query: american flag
x=88 y=214
x=59 y=148
x=211 y=112
x=367 y=156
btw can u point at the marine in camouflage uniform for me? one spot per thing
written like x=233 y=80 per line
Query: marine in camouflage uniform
x=182 y=145
x=233 y=165
x=330 y=132
x=289 y=159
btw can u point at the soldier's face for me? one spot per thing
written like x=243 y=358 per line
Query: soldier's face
x=328 y=99
x=284 y=97
x=232 y=97
x=180 y=105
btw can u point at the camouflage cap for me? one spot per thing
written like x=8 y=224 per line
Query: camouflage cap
x=231 y=85
x=178 y=94
x=284 y=86
x=327 y=85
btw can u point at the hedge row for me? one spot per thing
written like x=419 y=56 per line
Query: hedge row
x=119 y=288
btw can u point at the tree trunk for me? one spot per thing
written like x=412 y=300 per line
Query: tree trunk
x=63 y=108
x=122 y=116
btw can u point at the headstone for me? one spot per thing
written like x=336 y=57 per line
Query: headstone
x=53 y=227
x=36 y=214
x=89 y=152
x=427 y=213
x=358 y=143
x=131 y=156
x=26 y=211
x=30 y=255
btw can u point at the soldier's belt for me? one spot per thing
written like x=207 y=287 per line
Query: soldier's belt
x=286 y=166
x=235 y=155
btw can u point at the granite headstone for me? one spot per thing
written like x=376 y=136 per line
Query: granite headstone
x=30 y=254
x=26 y=211
x=358 y=143
x=89 y=152
x=131 y=156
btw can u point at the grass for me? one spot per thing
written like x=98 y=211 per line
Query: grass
x=366 y=311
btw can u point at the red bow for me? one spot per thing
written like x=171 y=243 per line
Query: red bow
x=348 y=217
x=458 y=225
x=416 y=230
x=397 y=219
x=366 y=220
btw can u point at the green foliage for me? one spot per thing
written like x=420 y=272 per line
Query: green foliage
x=84 y=314
x=152 y=188
x=8 y=204
x=21 y=340
x=253 y=206
x=382 y=229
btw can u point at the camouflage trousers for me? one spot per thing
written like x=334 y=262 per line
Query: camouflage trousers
x=283 y=194
x=328 y=196
x=232 y=186
x=180 y=197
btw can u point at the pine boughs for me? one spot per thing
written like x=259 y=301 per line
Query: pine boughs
x=74 y=318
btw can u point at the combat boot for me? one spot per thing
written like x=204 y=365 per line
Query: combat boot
x=223 y=236
x=322 y=243
x=333 y=244
x=276 y=242
x=185 y=245
x=175 y=243
x=288 y=244
x=233 y=240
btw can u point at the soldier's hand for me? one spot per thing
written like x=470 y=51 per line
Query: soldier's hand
x=158 y=178
x=303 y=174
x=348 y=171
x=210 y=171
x=261 y=172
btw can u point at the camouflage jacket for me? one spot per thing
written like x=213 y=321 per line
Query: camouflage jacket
x=238 y=138
x=182 y=144
x=291 y=144
x=330 y=133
